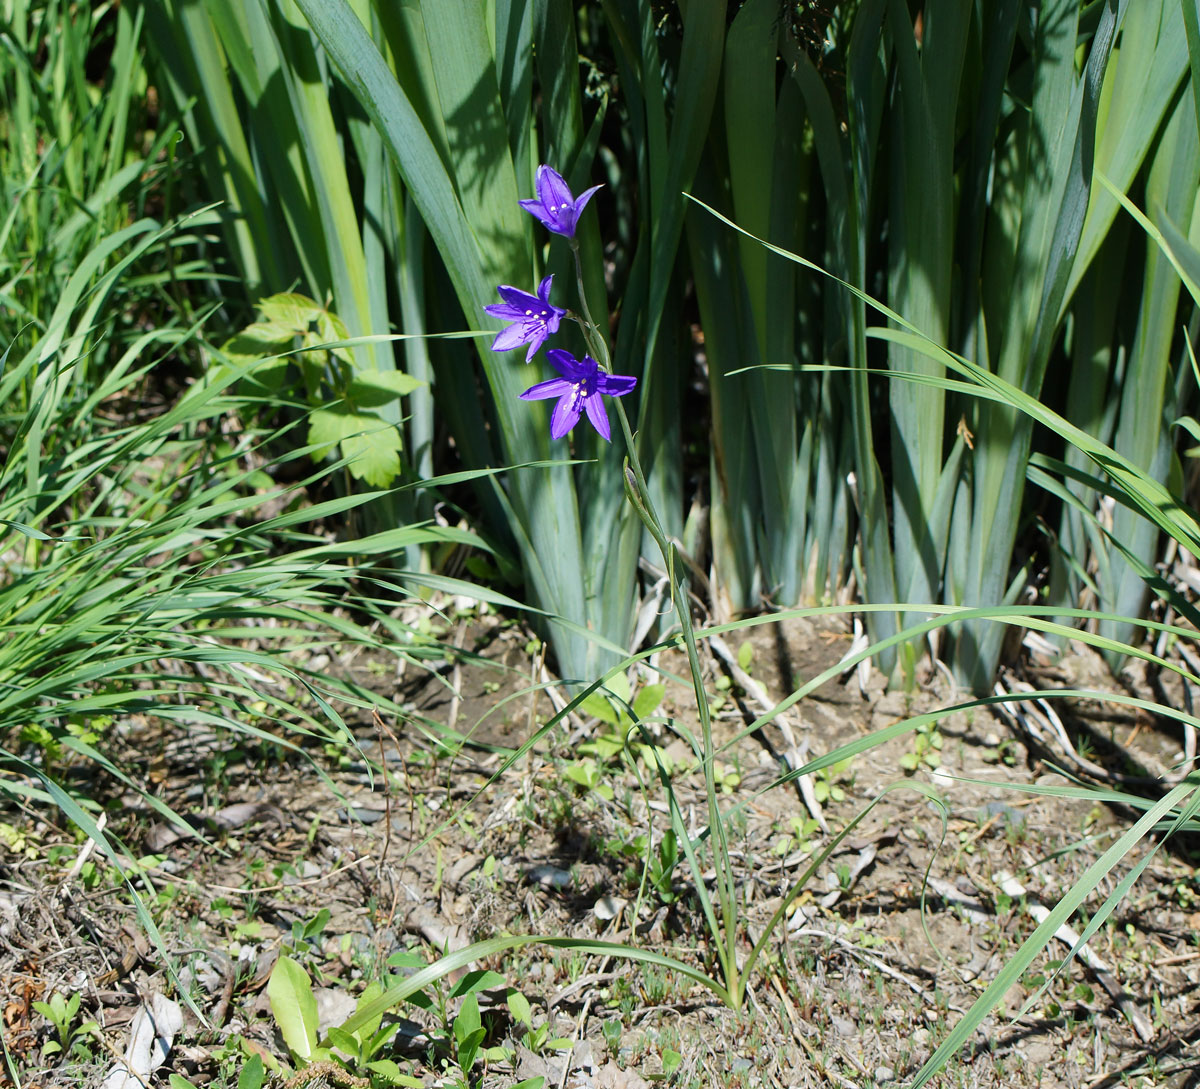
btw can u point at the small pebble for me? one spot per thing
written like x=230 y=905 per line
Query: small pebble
x=884 y=1074
x=550 y=877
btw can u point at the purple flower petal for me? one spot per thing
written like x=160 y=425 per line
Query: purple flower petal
x=556 y=387
x=570 y=367
x=597 y=414
x=565 y=415
x=508 y=339
x=583 y=198
x=615 y=385
x=552 y=188
x=535 y=208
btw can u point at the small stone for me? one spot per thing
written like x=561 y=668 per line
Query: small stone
x=931 y=1016
x=921 y=1037
x=550 y=877
x=991 y=739
x=884 y=1074
x=606 y=907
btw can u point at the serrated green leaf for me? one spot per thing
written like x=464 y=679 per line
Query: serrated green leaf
x=370 y=389
x=291 y=310
x=258 y=340
x=329 y=426
x=374 y=456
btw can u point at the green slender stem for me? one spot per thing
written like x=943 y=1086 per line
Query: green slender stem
x=639 y=492
x=596 y=341
x=726 y=889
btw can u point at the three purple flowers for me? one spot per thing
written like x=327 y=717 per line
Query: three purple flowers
x=583 y=382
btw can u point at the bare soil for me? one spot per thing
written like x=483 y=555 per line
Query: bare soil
x=414 y=843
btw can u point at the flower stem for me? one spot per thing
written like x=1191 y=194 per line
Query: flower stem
x=726 y=942
x=597 y=345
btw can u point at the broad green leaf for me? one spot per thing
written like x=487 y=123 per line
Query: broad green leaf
x=343 y=1041
x=290 y=310
x=475 y=981
x=648 y=700
x=329 y=426
x=253 y=1074
x=374 y=456
x=294 y=1007
x=518 y=1006
x=468 y=1032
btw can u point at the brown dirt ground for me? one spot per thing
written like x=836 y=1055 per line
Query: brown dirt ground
x=856 y=989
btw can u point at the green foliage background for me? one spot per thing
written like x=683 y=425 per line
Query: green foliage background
x=943 y=160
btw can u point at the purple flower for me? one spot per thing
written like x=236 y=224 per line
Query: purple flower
x=533 y=317
x=579 y=389
x=555 y=206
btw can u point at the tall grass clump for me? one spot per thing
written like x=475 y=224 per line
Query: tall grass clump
x=86 y=179
x=150 y=525
x=394 y=148
x=944 y=161
x=139 y=563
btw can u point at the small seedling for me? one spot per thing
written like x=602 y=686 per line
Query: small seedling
x=613 y=709
x=61 y=1012
x=662 y=867
x=803 y=829
x=590 y=776
x=927 y=747
x=723 y=686
x=538 y=1038
x=828 y=782
x=727 y=777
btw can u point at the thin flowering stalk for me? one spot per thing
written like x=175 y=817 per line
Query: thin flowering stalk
x=580 y=389
x=591 y=331
x=639 y=494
